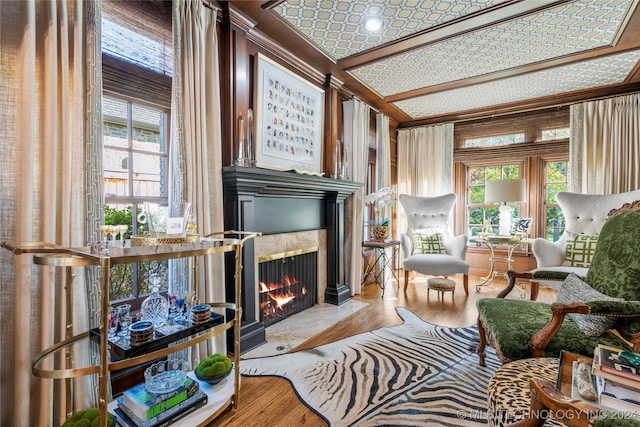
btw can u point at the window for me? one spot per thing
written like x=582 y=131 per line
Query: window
x=137 y=69
x=135 y=151
x=494 y=141
x=480 y=216
x=542 y=161
x=135 y=140
x=556 y=133
x=556 y=180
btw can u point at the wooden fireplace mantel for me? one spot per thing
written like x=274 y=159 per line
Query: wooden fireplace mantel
x=275 y=202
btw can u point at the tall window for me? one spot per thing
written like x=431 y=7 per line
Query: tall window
x=137 y=68
x=135 y=166
x=480 y=215
x=556 y=180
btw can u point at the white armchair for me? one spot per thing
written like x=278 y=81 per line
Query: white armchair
x=584 y=214
x=433 y=214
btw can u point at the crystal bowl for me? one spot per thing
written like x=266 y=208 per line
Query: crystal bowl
x=166 y=376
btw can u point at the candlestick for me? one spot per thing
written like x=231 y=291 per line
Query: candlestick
x=344 y=174
x=336 y=161
x=250 y=149
x=240 y=160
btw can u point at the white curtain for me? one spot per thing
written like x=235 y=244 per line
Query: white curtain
x=196 y=137
x=425 y=163
x=605 y=145
x=356 y=141
x=383 y=157
x=50 y=91
x=383 y=151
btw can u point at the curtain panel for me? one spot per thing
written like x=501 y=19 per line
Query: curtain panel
x=383 y=158
x=196 y=157
x=605 y=145
x=50 y=171
x=425 y=164
x=356 y=140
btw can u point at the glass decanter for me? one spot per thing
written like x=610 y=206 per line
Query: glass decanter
x=155 y=307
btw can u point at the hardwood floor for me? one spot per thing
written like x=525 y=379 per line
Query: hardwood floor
x=269 y=401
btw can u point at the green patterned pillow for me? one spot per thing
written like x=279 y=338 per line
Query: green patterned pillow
x=580 y=249
x=428 y=241
x=574 y=289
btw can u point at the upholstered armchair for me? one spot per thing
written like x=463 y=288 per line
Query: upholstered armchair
x=584 y=215
x=603 y=308
x=429 y=246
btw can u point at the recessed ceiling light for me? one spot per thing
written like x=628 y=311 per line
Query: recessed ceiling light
x=373 y=24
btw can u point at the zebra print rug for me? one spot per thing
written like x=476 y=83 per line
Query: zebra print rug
x=414 y=374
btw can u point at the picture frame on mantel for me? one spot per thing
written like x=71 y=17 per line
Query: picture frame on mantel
x=289 y=114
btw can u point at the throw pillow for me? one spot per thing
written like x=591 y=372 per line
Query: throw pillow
x=580 y=249
x=574 y=289
x=428 y=241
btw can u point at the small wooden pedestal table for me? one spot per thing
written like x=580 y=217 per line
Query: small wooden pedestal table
x=383 y=260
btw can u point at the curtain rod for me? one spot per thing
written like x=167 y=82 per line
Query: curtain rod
x=370 y=106
x=211 y=4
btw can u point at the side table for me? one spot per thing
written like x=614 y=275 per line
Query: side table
x=511 y=243
x=382 y=262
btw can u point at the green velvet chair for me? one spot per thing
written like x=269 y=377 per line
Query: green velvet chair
x=519 y=329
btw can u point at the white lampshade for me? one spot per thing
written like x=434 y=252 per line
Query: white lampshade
x=506 y=190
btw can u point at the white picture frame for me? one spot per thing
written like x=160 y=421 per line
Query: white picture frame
x=289 y=119
x=521 y=226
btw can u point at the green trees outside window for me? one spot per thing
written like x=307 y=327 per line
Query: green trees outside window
x=129 y=281
x=556 y=180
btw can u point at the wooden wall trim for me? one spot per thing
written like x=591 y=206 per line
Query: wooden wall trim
x=558 y=100
x=281 y=54
x=510 y=152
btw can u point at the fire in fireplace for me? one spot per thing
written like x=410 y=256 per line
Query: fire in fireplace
x=287 y=284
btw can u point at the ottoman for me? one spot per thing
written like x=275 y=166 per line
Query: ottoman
x=441 y=285
x=508 y=396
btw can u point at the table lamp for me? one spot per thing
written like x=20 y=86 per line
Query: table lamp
x=505 y=191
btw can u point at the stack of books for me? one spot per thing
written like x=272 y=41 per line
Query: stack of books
x=139 y=408
x=617 y=382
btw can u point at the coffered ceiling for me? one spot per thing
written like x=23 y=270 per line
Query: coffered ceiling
x=435 y=60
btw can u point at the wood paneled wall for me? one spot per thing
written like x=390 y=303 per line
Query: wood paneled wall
x=241 y=41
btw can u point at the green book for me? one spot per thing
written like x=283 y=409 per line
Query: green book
x=145 y=405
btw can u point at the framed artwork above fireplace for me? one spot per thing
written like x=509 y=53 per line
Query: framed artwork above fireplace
x=289 y=119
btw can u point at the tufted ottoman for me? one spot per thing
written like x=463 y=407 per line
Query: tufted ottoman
x=508 y=396
x=441 y=285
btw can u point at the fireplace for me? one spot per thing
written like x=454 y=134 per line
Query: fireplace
x=280 y=203
x=287 y=284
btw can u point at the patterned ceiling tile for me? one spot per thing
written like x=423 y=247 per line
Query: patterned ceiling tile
x=338 y=27
x=559 y=31
x=583 y=75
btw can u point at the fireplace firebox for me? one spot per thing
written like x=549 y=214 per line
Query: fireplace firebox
x=287 y=284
